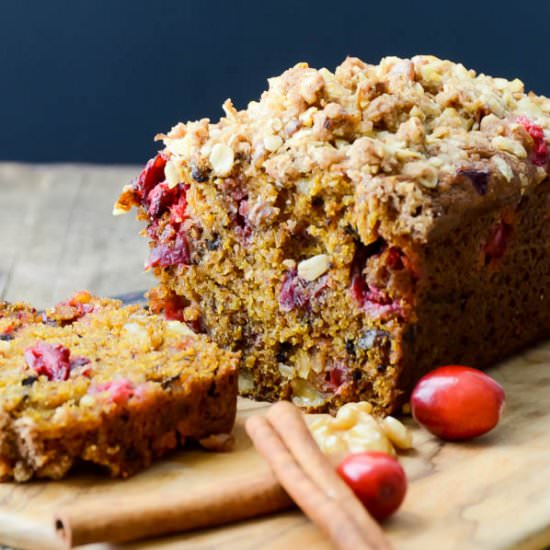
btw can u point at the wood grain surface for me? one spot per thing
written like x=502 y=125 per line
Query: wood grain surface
x=57 y=235
x=491 y=493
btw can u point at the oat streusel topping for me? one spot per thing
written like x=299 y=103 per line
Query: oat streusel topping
x=410 y=125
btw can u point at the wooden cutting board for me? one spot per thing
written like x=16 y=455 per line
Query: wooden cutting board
x=490 y=493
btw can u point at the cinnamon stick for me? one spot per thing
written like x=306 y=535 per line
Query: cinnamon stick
x=308 y=477
x=124 y=519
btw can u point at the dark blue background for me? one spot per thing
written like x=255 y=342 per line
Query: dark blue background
x=94 y=80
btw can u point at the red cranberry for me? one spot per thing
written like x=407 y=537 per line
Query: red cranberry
x=362 y=293
x=497 y=244
x=51 y=360
x=152 y=230
x=175 y=252
x=178 y=209
x=240 y=219
x=377 y=479
x=372 y=299
x=120 y=390
x=539 y=155
x=169 y=233
x=152 y=174
x=160 y=198
x=336 y=376
x=292 y=292
x=296 y=292
x=457 y=402
x=173 y=307
x=379 y=304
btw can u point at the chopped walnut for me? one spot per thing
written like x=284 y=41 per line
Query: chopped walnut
x=221 y=159
x=509 y=146
x=354 y=430
x=313 y=267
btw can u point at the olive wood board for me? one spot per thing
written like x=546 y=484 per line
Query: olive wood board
x=493 y=492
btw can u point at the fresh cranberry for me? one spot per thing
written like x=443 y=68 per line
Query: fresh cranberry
x=479 y=179
x=51 y=360
x=166 y=255
x=336 y=376
x=372 y=299
x=293 y=292
x=497 y=244
x=152 y=229
x=378 y=304
x=178 y=209
x=242 y=228
x=152 y=174
x=169 y=233
x=160 y=198
x=457 y=402
x=296 y=292
x=119 y=390
x=377 y=479
x=174 y=252
x=367 y=296
x=173 y=307
x=540 y=154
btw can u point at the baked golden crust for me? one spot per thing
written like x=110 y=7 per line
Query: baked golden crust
x=116 y=386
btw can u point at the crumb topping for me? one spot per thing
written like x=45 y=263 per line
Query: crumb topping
x=419 y=118
x=407 y=129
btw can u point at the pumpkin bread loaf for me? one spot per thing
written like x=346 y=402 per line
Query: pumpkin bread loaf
x=351 y=230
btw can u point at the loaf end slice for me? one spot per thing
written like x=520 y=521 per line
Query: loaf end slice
x=92 y=381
